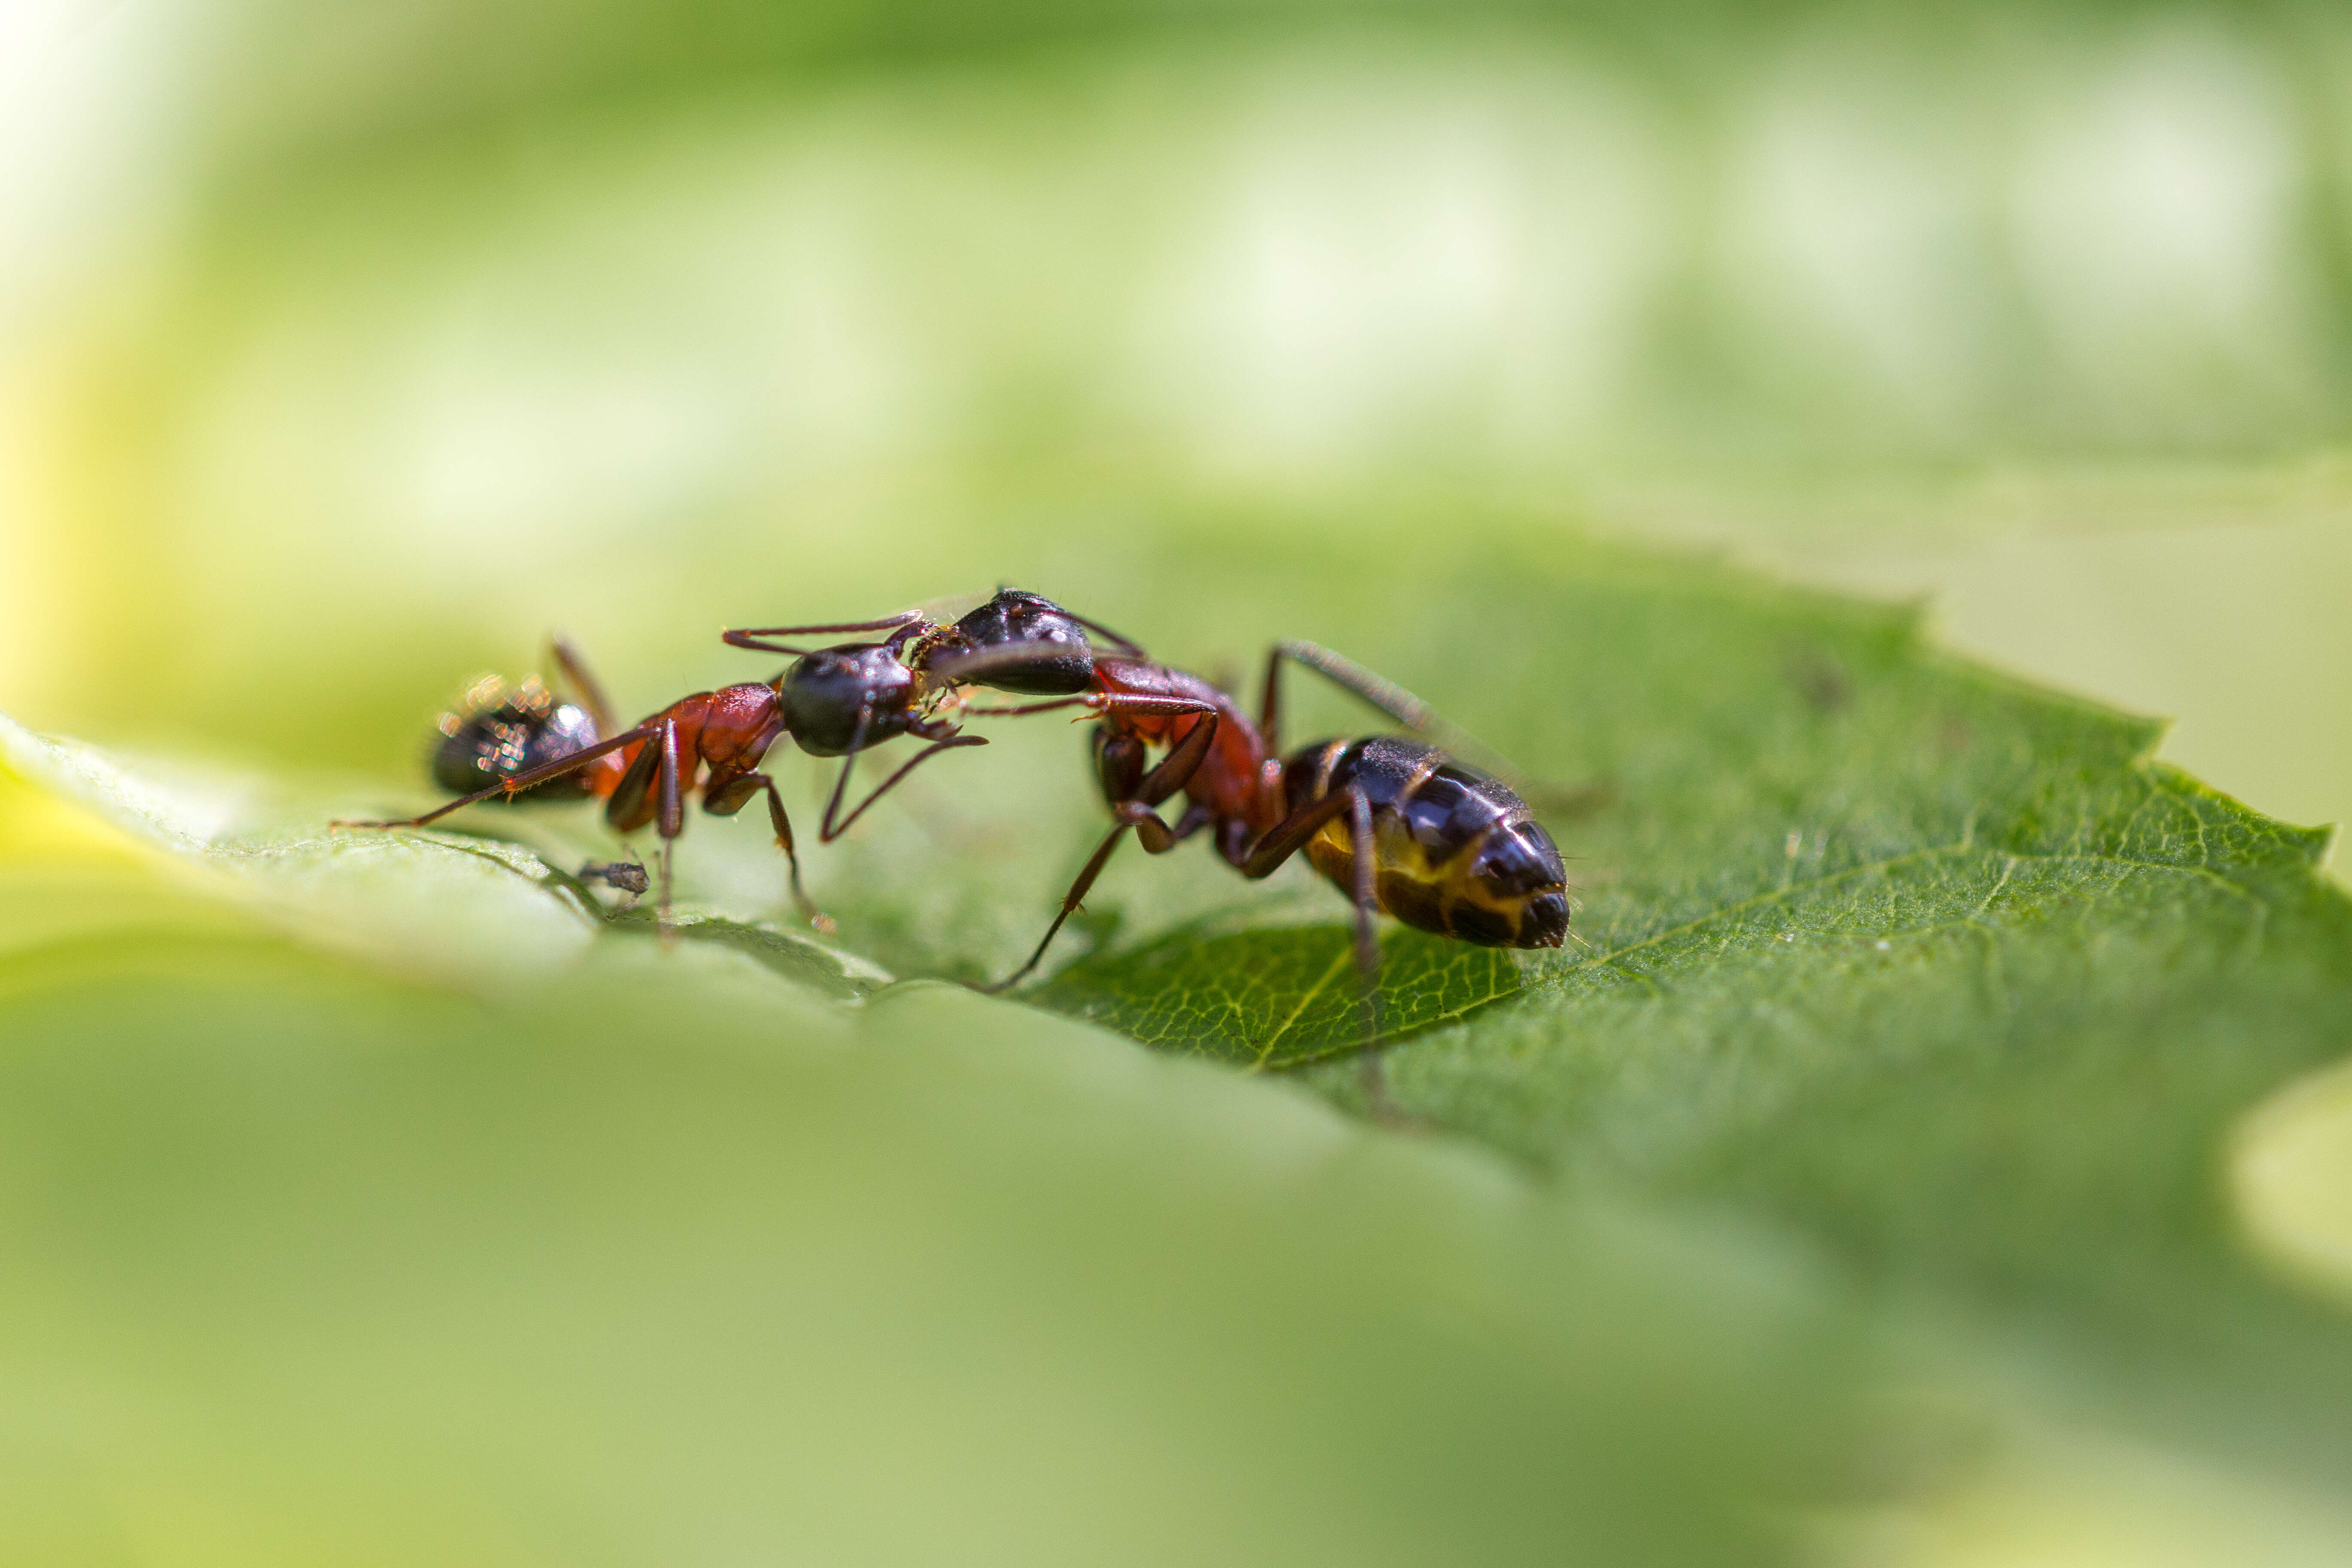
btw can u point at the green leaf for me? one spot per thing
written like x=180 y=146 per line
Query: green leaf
x=454 y=906
x=1938 y=969
x=1276 y=998
x=395 y=1199
x=323 y=1247
x=1930 y=969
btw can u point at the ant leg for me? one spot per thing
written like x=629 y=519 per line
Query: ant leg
x=829 y=830
x=1167 y=778
x=1373 y=1064
x=903 y=618
x=663 y=929
x=574 y=670
x=670 y=824
x=1385 y=695
x=1285 y=840
x=1416 y=716
x=1177 y=768
x=1083 y=699
x=655 y=774
x=1157 y=837
x=626 y=808
x=848 y=760
x=1289 y=836
x=520 y=782
x=1070 y=902
x=1126 y=646
x=977 y=666
x=784 y=826
x=1101 y=705
x=731 y=798
x=750 y=636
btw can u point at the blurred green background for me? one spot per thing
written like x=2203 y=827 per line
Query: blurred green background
x=344 y=352
x=411 y=334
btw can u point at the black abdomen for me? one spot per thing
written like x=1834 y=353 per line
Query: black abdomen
x=1455 y=851
x=503 y=734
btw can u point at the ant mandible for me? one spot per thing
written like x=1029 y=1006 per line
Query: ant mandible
x=1399 y=826
x=834 y=701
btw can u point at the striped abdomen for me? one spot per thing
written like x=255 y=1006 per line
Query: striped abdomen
x=1456 y=852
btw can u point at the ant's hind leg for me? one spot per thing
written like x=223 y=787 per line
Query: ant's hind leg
x=1549 y=800
x=1372 y=1068
x=1348 y=675
x=1291 y=834
x=1386 y=696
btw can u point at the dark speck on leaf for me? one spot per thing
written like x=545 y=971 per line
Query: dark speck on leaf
x=1821 y=682
x=625 y=876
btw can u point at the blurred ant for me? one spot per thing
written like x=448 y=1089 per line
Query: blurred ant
x=499 y=733
x=834 y=701
x=1399 y=826
x=531 y=746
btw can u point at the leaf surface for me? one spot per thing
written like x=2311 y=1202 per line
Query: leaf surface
x=1937 y=967
x=325 y=1243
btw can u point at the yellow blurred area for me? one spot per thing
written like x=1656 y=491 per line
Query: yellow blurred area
x=73 y=888
x=2291 y=1176
x=2059 y=1498
x=37 y=828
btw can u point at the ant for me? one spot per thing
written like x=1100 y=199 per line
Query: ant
x=834 y=702
x=1399 y=826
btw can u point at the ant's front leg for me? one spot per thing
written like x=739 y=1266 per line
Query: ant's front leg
x=1157 y=838
x=1136 y=796
x=753 y=637
x=833 y=824
x=828 y=830
x=726 y=800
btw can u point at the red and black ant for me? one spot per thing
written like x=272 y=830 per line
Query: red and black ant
x=1399 y=826
x=834 y=701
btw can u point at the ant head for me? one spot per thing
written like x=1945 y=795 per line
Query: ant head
x=501 y=733
x=824 y=692
x=1044 y=649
